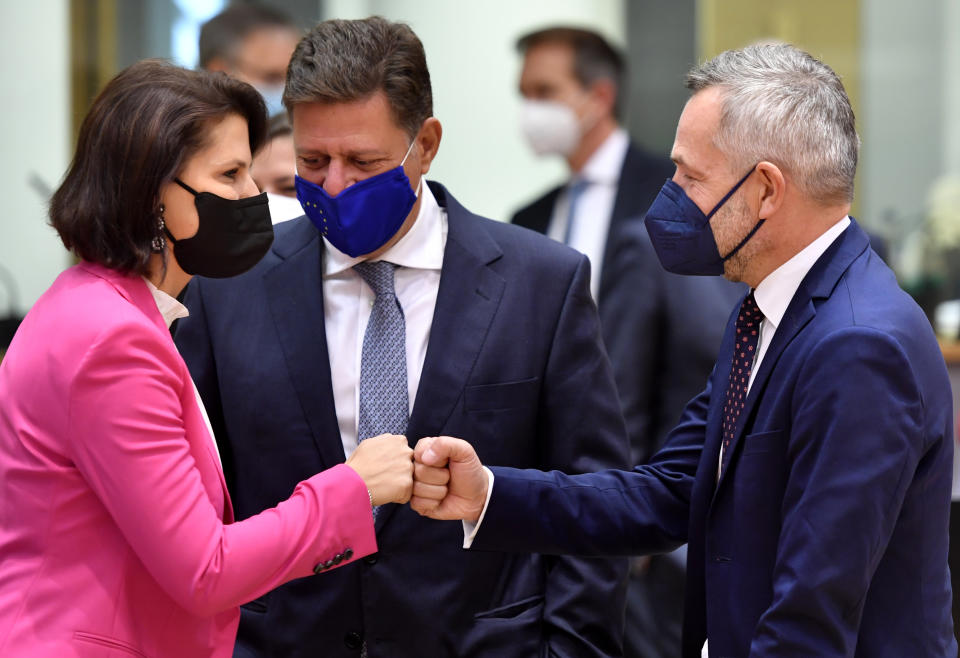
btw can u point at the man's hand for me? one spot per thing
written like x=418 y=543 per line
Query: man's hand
x=450 y=482
x=385 y=463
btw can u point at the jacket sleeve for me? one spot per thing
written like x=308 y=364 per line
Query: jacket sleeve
x=611 y=512
x=128 y=439
x=581 y=429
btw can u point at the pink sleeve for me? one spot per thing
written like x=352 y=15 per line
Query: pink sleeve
x=128 y=440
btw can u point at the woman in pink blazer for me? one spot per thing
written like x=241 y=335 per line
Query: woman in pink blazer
x=116 y=531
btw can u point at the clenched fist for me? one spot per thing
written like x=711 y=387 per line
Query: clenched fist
x=450 y=480
x=385 y=463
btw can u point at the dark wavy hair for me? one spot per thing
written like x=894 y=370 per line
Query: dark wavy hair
x=341 y=61
x=141 y=130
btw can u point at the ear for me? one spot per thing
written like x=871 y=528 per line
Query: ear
x=604 y=94
x=428 y=141
x=773 y=188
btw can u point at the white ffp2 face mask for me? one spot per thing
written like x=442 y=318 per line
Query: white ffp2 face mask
x=550 y=127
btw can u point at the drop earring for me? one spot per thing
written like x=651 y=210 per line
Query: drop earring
x=159 y=242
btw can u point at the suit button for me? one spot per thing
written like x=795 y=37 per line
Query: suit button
x=338 y=558
x=329 y=564
x=347 y=554
x=319 y=568
x=371 y=559
x=353 y=640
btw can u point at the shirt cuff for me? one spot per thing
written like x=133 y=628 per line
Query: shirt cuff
x=470 y=528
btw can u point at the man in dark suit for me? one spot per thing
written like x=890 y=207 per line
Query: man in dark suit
x=391 y=305
x=662 y=331
x=572 y=83
x=812 y=476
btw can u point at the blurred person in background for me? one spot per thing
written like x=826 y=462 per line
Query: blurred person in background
x=661 y=330
x=572 y=83
x=391 y=307
x=116 y=529
x=252 y=43
x=275 y=167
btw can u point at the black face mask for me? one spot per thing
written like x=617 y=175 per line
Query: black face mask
x=234 y=235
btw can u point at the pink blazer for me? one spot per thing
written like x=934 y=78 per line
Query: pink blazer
x=116 y=531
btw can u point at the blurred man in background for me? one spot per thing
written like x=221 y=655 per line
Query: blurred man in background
x=662 y=330
x=252 y=43
x=572 y=84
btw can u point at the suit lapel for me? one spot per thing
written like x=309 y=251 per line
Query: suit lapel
x=817 y=284
x=467 y=301
x=135 y=290
x=294 y=291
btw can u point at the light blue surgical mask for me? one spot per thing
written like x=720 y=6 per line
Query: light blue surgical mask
x=363 y=217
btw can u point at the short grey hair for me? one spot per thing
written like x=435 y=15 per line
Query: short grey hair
x=782 y=105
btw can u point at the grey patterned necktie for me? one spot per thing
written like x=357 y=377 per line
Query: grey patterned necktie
x=383 y=362
x=384 y=401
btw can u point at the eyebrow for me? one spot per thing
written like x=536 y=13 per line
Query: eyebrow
x=237 y=162
x=358 y=153
x=680 y=162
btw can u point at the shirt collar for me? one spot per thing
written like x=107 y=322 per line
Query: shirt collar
x=606 y=162
x=420 y=248
x=168 y=306
x=775 y=292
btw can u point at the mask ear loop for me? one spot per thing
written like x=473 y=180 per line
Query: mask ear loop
x=407 y=155
x=185 y=186
x=731 y=192
x=717 y=207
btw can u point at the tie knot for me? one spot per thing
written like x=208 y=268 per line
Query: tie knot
x=378 y=275
x=576 y=186
x=750 y=314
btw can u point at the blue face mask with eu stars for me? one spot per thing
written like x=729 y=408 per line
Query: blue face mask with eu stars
x=364 y=216
x=681 y=233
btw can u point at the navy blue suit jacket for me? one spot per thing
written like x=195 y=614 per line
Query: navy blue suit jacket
x=827 y=533
x=514 y=364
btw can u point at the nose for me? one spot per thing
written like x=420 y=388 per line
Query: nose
x=336 y=180
x=249 y=187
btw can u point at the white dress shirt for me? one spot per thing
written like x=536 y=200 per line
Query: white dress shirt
x=347 y=301
x=591 y=220
x=171 y=310
x=773 y=296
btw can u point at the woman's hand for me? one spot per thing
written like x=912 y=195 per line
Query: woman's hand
x=385 y=463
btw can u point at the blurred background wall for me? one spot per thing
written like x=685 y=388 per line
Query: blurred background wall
x=898 y=61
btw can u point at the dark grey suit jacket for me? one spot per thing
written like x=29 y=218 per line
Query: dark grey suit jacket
x=515 y=365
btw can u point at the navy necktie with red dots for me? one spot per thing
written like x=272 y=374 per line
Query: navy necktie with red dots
x=744 y=352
